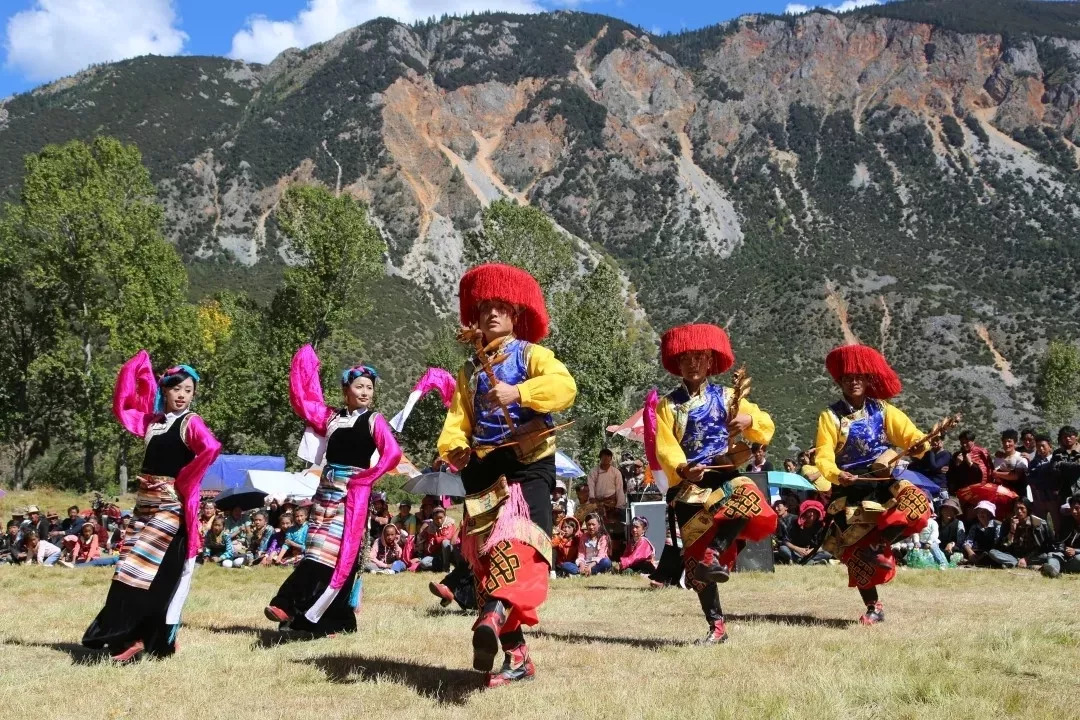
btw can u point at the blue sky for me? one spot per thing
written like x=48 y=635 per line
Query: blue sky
x=46 y=39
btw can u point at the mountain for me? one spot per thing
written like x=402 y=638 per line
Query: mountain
x=905 y=174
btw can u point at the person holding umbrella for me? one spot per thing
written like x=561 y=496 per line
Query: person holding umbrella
x=694 y=427
x=319 y=596
x=157 y=559
x=500 y=433
x=867 y=514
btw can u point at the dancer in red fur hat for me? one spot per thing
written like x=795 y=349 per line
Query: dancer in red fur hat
x=694 y=424
x=854 y=434
x=499 y=431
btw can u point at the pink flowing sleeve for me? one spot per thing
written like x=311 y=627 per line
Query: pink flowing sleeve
x=305 y=390
x=134 y=394
x=206 y=447
x=356 y=500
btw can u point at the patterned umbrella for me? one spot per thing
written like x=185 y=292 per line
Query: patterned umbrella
x=632 y=428
x=1000 y=495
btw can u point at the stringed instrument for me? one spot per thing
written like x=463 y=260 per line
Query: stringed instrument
x=739 y=452
x=526 y=437
x=885 y=463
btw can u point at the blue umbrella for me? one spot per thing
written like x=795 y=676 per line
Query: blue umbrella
x=778 y=478
x=565 y=467
x=919 y=480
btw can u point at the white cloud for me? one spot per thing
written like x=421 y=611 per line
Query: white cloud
x=59 y=37
x=846 y=6
x=262 y=38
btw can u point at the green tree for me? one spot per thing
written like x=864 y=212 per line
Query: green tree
x=606 y=350
x=523 y=236
x=1057 y=390
x=339 y=251
x=95 y=255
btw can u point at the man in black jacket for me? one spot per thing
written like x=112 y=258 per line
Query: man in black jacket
x=1024 y=541
x=1066 y=555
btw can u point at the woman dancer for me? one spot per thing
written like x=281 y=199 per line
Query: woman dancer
x=317 y=596
x=852 y=433
x=157 y=558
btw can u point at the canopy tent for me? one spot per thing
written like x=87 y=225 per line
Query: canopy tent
x=632 y=428
x=230 y=471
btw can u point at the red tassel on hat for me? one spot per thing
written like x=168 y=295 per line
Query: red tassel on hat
x=700 y=336
x=508 y=284
x=883 y=382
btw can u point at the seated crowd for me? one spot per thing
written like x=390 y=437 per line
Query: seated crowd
x=1033 y=520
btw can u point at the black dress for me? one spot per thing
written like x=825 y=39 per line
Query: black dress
x=348 y=448
x=133 y=613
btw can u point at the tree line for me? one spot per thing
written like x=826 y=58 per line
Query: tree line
x=87 y=278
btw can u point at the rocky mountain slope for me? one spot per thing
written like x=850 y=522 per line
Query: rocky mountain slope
x=905 y=175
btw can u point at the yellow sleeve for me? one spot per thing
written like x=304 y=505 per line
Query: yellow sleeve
x=668 y=450
x=762 y=428
x=901 y=432
x=828 y=432
x=457 y=428
x=550 y=387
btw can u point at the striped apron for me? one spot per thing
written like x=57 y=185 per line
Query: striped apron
x=149 y=532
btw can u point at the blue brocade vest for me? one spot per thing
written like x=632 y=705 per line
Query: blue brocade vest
x=866 y=437
x=489 y=423
x=705 y=434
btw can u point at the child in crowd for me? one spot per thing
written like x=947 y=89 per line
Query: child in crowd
x=387 y=556
x=593 y=548
x=565 y=545
x=928 y=541
x=9 y=545
x=295 y=543
x=981 y=541
x=86 y=549
x=218 y=547
x=437 y=539
x=951 y=531
x=38 y=551
x=639 y=556
x=276 y=551
x=258 y=541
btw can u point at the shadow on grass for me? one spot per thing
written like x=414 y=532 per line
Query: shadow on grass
x=635 y=642
x=792 y=619
x=444 y=611
x=264 y=637
x=79 y=655
x=443 y=685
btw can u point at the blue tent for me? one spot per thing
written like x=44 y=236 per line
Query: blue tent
x=230 y=471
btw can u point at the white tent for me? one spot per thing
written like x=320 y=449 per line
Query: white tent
x=282 y=484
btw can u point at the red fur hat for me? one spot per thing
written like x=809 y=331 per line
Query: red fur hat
x=862 y=360
x=510 y=285
x=701 y=336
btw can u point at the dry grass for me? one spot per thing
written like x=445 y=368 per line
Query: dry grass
x=958 y=644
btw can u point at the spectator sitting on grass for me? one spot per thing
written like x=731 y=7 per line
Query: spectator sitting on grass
x=296 y=537
x=236 y=524
x=565 y=545
x=982 y=538
x=558 y=514
x=86 y=550
x=436 y=540
x=639 y=555
x=1025 y=540
x=9 y=544
x=803 y=535
x=35 y=522
x=929 y=541
x=1065 y=557
x=71 y=524
x=386 y=556
x=217 y=545
x=56 y=533
x=970 y=464
x=405 y=520
x=207 y=512
x=38 y=551
x=594 y=548
x=258 y=541
x=951 y=533
x=378 y=515
x=276 y=552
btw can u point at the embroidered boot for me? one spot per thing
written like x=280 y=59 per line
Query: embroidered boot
x=517 y=665
x=717 y=634
x=874 y=614
x=711 y=571
x=486 y=632
x=445 y=594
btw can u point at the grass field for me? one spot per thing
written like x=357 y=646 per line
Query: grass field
x=957 y=644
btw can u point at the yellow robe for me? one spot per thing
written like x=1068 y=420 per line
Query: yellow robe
x=549 y=389
x=899 y=430
x=670 y=426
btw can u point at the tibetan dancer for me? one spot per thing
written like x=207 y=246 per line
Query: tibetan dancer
x=161 y=540
x=499 y=430
x=691 y=437
x=856 y=437
x=320 y=595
